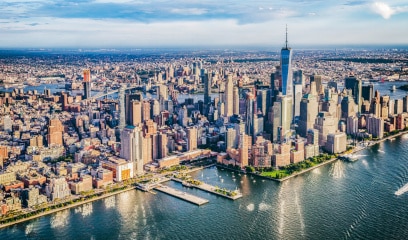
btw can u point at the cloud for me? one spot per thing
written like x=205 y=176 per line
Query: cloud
x=383 y=9
x=386 y=11
x=189 y=11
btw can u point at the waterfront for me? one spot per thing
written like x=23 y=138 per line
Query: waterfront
x=339 y=200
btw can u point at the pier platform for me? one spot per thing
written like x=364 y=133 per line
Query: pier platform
x=182 y=195
x=208 y=188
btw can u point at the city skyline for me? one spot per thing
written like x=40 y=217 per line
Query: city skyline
x=126 y=23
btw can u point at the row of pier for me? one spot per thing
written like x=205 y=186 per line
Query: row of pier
x=157 y=185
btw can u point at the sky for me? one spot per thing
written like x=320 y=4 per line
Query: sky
x=204 y=23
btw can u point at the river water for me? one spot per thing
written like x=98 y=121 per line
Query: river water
x=340 y=200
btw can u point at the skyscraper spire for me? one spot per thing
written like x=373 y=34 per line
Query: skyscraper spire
x=286 y=42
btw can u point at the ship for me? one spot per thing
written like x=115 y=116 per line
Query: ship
x=350 y=157
x=402 y=190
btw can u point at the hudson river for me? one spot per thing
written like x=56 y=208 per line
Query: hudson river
x=341 y=200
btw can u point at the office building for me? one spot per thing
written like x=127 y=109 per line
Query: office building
x=286 y=68
x=308 y=113
x=87 y=83
x=229 y=97
x=336 y=142
x=355 y=85
x=55 y=131
x=192 y=136
x=132 y=148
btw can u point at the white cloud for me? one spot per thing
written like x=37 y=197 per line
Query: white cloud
x=189 y=11
x=383 y=9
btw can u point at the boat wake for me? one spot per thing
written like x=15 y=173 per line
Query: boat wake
x=402 y=190
x=337 y=170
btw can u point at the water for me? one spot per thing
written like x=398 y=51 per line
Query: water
x=342 y=200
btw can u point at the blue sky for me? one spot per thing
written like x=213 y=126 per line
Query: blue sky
x=166 y=23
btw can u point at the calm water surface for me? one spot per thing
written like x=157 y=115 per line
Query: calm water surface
x=338 y=201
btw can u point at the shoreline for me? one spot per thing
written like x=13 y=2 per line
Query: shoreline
x=65 y=207
x=355 y=150
x=77 y=204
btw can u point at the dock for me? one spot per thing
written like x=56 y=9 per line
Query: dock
x=208 y=188
x=181 y=195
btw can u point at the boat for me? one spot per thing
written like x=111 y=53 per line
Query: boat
x=402 y=190
x=393 y=88
x=350 y=157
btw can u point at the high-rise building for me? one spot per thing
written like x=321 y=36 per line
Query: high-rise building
x=249 y=104
x=192 y=135
x=229 y=97
x=87 y=83
x=354 y=84
x=128 y=99
x=308 y=113
x=263 y=99
x=163 y=93
x=367 y=92
x=325 y=123
x=206 y=78
x=286 y=68
x=336 y=142
x=132 y=147
x=7 y=123
x=135 y=113
x=162 y=140
x=146 y=110
x=235 y=106
x=55 y=131
x=245 y=142
x=297 y=98
x=231 y=138
x=317 y=79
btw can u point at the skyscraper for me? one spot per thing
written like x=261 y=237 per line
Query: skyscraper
x=55 y=132
x=206 y=78
x=235 y=106
x=354 y=84
x=132 y=147
x=192 y=138
x=317 y=79
x=87 y=83
x=308 y=113
x=136 y=113
x=229 y=98
x=286 y=68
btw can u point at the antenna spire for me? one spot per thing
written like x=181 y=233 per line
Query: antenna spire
x=286 y=42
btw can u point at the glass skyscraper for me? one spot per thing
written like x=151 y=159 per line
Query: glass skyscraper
x=286 y=68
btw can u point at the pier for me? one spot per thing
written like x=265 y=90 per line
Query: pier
x=209 y=188
x=182 y=195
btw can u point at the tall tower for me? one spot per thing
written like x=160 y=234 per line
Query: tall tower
x=229 y=97
x=235 y=106
x=354 y=84
x=87 y=83
x=132 y=147
x=286 y=68
x=122 y=114
x=192 y=138
x=207 y=89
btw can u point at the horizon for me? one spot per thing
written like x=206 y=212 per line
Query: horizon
x=180 y=23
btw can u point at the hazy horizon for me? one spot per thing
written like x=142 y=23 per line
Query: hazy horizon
x=181 y=23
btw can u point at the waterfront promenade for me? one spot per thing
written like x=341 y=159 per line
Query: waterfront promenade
x=211 y=189
x=354 y=150
x=65 y=207
x=181 y=195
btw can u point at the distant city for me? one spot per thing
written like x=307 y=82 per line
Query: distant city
x=77 y=123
